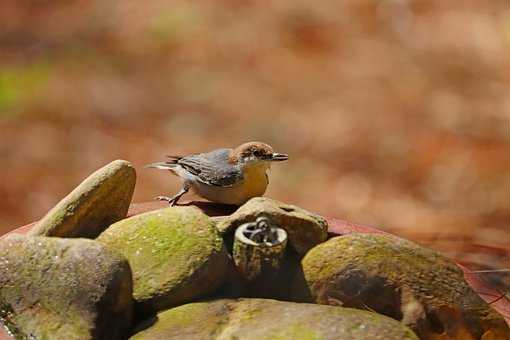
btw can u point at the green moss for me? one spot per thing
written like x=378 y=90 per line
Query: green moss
x=195 y=320
x=164 y=247
x=47 y=291
x=271 y=319
x=45 y=324
x=6 y=320
x=250 y=314
x=398 y=260
x=183 y=316
x=100 y=200
x=432 y=280
x=296 y=331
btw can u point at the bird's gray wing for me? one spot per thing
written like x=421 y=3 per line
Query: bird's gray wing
x=212 y=168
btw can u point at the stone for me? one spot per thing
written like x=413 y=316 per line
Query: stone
x=403 y=280
x=269 y=319
x=100 y=200
x=305 y=229
x=53 y=288
x=176 y=255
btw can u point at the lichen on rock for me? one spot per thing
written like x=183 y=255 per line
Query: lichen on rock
x=400 y=279
x=100 y=200
x=305 y=229
x=269 y=319
x=176 y=255
x=52 y=288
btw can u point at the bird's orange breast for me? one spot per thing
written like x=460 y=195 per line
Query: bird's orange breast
x=255 y=180
x=254 y=184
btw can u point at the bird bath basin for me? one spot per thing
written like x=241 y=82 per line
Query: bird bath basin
x=336 y=228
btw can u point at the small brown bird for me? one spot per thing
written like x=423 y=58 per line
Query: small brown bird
x=230 y=176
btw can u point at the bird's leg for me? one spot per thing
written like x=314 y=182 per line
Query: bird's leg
x=173 y=200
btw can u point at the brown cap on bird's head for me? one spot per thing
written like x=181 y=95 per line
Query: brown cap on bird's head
x=255 y=151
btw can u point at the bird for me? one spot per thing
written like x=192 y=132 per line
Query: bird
x=226 y=175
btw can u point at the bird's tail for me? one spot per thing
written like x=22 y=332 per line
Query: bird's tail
x=162 y=165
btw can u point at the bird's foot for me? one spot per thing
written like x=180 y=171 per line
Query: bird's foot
x=171 y=200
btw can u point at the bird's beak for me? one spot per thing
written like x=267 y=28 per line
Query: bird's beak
x=278 y=157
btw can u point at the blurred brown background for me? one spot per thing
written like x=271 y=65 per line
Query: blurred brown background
x=396 y=113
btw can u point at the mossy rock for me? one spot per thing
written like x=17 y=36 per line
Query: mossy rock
x=269 y=319
x=398 y=278
x=176 y=254
x=52 y=288
x=100 y=200
x=304 y=229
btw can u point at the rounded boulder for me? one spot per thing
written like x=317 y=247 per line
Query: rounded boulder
x=176 y=255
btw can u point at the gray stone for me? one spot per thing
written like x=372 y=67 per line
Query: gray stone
x=260 y=319
x=403 y=280
x=176 y=255
x=100 y=200
x=53 y=288
x=304 y=229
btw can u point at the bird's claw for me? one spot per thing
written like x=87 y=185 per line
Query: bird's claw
x=170 y=200
x=163 y=198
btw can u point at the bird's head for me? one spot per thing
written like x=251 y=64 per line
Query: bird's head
x=255 y=153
